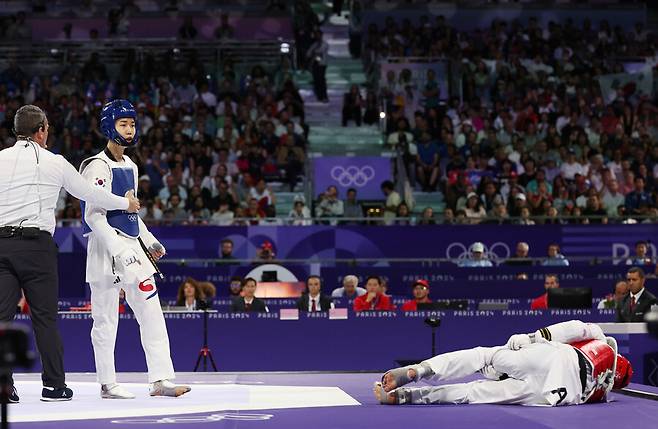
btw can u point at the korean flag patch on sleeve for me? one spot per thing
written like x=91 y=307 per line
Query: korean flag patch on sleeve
x=99 y=182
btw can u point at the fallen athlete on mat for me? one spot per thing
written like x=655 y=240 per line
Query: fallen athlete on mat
x=568 y=363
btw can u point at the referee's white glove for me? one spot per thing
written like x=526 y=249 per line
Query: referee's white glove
x=518 y=341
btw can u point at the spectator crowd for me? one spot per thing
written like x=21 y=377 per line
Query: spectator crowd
x=538 y=135
x=210 y=145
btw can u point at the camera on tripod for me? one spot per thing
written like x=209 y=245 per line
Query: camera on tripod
x=14 y=347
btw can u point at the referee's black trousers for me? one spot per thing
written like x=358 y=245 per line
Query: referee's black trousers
x=30 y=264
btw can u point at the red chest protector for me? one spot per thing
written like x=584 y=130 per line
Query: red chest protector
x=602 y=358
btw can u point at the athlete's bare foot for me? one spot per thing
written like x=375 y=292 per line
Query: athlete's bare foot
x=388 y=398
x=388 y=380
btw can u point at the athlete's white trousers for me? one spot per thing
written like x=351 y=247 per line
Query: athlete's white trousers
x=528 y=370
x=145 y=304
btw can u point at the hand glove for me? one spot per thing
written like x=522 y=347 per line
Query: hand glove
x=518 y=341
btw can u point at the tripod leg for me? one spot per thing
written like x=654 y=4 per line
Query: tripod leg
x=212 y=361
x=198 y=360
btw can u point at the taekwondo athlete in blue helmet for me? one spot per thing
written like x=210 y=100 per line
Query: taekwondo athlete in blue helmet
x=121 y=254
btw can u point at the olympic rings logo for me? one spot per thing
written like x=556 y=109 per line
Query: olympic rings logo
x=353 y=175
x=496 y=253
x=197 y=419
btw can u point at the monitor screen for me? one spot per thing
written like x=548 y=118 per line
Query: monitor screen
x=572 y=297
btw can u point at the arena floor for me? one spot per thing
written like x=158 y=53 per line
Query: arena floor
x=299 y=400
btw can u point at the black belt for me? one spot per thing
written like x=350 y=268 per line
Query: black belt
x=20 y=231
x=585 y=368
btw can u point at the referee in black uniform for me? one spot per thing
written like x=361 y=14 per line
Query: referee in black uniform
x=30 y=181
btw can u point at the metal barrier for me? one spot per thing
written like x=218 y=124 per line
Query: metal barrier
x=49 y=57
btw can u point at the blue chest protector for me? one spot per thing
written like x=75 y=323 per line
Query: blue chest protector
x=123 y=180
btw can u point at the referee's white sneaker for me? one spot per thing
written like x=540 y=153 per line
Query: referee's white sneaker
x=167 y=388
x=115 y=391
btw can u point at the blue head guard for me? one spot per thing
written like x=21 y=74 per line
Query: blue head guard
x=112 y=111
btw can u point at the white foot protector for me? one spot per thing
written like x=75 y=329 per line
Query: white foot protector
x=115 y=391
x=167 y=388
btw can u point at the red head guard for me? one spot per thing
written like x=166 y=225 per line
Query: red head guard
x=623 y=374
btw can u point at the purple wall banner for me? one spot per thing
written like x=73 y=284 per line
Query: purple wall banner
x=421 y=242
x=363 y=173
x=312 y=344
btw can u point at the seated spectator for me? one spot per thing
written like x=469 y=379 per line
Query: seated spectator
x=550 y=282
x=474 y=209
x=235 y=286
x=524 y=219
x=209 y=291
x=616 y=297
x=555 y=258
x=374 y=299
x=638 y=301
x=498 y=216
x=290 y=160
x=594 y=210
x=476 y=258
x=351 y=207
x=427 y=163
x=427 y=218
x=300 y=214
x=313 y=299
x=223 y=216
x=265 y=254
x=403 y=214
x=190 y=295
x=521 y=255
x=175 y=206
x=173 y=187
x=352 y=104
x=263 y=194
x=638 y=201
x=226 y=250
x=350 y=288
x=254 y=213
x=330 y=205
x=641 y=258
x=421 y=292
x=612 y=198
x=248 y=302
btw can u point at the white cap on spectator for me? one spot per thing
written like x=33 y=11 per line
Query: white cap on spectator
x=141 y=104
x=471 y=194
x=299 y=198
x=520 y=197
x=187 y=118
x=144 y=177
x=163 y=118
x=477 y=247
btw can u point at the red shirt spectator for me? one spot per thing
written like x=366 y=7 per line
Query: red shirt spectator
x=373 y=299
x=541 y=302
x=421 y=291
